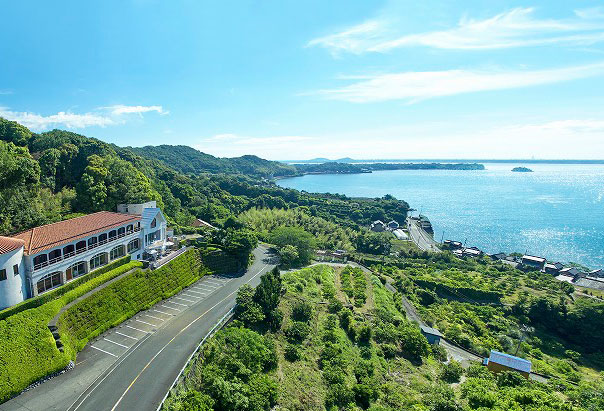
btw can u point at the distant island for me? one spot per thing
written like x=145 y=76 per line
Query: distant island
x=522 y=170
x=347 y=168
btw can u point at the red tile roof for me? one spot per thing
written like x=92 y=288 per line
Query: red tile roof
x=8 y=244
x=52 y=235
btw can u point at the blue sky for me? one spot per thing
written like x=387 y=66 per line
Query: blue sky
x=296 y=80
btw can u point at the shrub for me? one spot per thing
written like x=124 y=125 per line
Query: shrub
x=302 y=311
x=292 y=353
x=364 y=335
x=451 y=372
x=335 y=306
x=389 y=350
x=510 y=379
x=297 y=332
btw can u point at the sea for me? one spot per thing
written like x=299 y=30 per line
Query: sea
x=556 y=212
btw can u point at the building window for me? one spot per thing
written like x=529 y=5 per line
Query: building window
x=133 y=245
x=76 y=270
x=121 y=231
x=153 y=223
x=2 y=274
x=98 y=260
x=117 y=252
x=16 y=270
x=49 y=282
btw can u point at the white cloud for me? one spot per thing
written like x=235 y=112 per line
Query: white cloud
x=101 y=117
x=120 y=109
x=514 y=28
x=414 y=86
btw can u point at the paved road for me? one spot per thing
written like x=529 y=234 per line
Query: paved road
x=419 y=236
x=131 y=367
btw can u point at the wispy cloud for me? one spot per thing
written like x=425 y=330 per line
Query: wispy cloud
x=5 y=92
x=514 y=28
x=101 y=117
x=415 y=86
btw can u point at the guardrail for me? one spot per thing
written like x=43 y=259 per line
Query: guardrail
x=216 y=327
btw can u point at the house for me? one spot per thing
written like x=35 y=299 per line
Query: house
x=45 y=257
x=393 y=225
x=378 y=226
x=530 y=261
x=498 y=256
x=452 y=245
x=570 y=272
x=498 y=362
x=471 y=252
x=596 y=273
x=552 y=268
x=198 y=222
x=432 y=334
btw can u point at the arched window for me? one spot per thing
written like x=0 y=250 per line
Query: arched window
x=112 y=235
x=75 y=270
x=117 y=252
x=54 y=256
x=98 y=260
x=133 y=245
x=121 y=231
x=40 y=261
x=49 y=281
x=93 y=242
x=80 y=246
x=103 y=238
x=130 y=228
x=68 y=251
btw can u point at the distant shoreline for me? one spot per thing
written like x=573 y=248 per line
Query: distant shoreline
x=448 y=161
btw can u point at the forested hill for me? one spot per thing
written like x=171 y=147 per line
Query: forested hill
x=52 y=176
x=191 y=161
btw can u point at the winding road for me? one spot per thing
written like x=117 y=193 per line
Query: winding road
x=132 y=366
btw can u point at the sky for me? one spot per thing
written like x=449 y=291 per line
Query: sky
x=292 y=80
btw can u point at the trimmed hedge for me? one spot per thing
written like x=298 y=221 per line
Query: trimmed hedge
x=29 y=351
x=124 y=298
x=56 y=293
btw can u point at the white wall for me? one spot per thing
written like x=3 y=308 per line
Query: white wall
x=135 y=208
x=13 y=290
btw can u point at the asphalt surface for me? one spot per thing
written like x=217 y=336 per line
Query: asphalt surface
x=419 y=236
x=132 y=366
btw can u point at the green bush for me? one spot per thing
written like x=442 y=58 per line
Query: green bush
x=127 y=296
x=302 y=311
x=292 y=353
x=297 y=332
x=452 y=372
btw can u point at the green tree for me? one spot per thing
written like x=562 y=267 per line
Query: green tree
x=303 y=241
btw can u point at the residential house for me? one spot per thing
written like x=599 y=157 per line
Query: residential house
x=432 y=334
x=596 y=273
x=533 y=262
x=553 y=268
x=498 y=256
x=498 y=362
x=570 y=272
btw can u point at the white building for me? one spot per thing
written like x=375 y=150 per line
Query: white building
x=43 y=258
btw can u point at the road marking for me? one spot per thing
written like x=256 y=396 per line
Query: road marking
x=116 y=343
x=184 y=299
x=126 y=335
x=173 y=302
x=106 y=352
x=143 y=331
x=157 y=318
x=152 y=325
x=173 y=338
x=192 y=296
x=162 y=312
x=212 y=283
x=170 y=308
x=196 y=292
x=203 y=289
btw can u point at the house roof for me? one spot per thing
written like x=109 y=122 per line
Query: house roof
x=148 y=215
x=569 y=270
x=510 y=361
x=52 y=235
x=430 y=330
x=8 y=244
x=533 y=258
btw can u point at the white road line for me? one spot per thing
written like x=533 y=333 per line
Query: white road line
x=106 y=352
x=116 y=343
x=152 y=325
x=192 y=296
x=157 y=318
x=213 y=283
x=196 y=292
x=143 y=331
x=126 y=335
x=203 y=289
x=184 y=299
x=170 y=308
x=162 y=312
x=172 y=302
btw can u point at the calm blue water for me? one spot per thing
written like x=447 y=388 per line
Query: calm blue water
x=556 y=212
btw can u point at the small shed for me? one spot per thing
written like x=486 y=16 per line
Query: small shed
x=432 y=334
x=378 y=226
x=498 y=362
x=532 y=261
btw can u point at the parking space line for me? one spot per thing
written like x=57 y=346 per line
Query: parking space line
x=116 y=343
x=126 y=335
x=173 y=302
x=162 y=312
x=143 y=331
x=157 y=318
x=203 y=289
x=170 y=308
x=106 y=352
x=192 y=296
x=184 y=299
x=211 y=282
x=152 y=325
x=196 y=292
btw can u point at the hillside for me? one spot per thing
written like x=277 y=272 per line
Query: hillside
x=187 y=160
